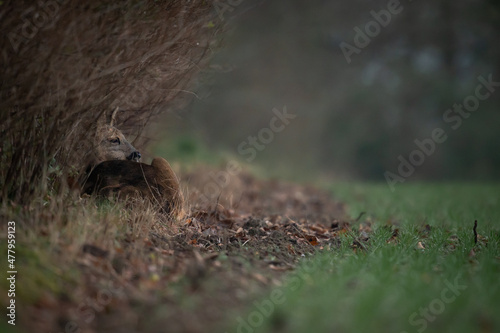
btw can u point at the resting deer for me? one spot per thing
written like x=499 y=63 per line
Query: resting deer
x=114 y=170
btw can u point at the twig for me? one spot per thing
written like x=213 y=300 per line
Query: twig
x=360 y=216
x=475 y=232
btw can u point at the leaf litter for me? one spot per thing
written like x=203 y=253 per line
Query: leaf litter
x=194 y=275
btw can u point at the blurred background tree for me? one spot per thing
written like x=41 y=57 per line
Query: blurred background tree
x=354 y=119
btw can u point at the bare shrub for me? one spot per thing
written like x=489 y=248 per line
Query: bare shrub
x=85 y=60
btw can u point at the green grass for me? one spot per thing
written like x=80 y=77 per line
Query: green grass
x=446 y=204
x=396 y=287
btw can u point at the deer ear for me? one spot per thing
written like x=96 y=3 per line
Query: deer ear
x=101 y=120
x=113 y=117
x=100 y=126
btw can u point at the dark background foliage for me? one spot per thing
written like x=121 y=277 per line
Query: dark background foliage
x=355 y=119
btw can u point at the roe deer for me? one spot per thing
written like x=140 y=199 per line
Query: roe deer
x=111 y=144
x=156 y=182
x=114 y=169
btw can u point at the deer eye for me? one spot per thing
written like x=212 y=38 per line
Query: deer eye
x=115 y=141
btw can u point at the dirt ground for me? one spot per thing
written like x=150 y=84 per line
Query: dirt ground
x=198 y=275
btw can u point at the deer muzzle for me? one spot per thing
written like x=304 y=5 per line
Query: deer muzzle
x=135 y=156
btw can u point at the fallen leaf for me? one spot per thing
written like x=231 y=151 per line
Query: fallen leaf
x=94 y=251
x=260 y=278
x=313 y=240
x=280 y=268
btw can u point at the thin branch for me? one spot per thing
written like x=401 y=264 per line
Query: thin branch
x=475 y=232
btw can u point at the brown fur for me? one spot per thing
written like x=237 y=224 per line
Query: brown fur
x=113 y=169
x=156 y=182
x=111 y=144
x=108 y=143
